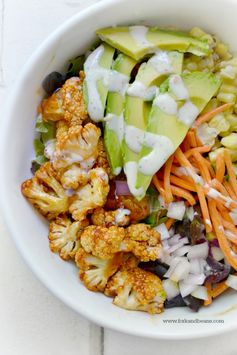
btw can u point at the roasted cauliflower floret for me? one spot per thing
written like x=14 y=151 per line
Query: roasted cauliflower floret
x=101 y=241
x=64 y=236
x=143 y=241
x=74 y=177
x=90 y=196
x=139 y=209
x=46 y=193
x=119 y=217
x=138 y=290
x=78 y=145
x=67 y=103
x=102 y=160
x=95 y=272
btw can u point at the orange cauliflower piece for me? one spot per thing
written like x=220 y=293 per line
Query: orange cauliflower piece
x=143 y=241
x=67 y=103
x=78 y=145
x=90 y=196
x=101 y=241
x=137 y=289
x=139 y=209
x=119 y=217
x=102 y=160
x=64 y=236
x=45 y=192
x=74 y=176
x=95 y=272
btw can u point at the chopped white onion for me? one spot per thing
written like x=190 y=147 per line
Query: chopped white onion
x=162 y=229
x=181 y=243
x=232 y=281
x=217 y=253
x=186 y=289
x=200 y=292
x=180 y=270
x=190 y=213
x=182 y=251
x=174 y=240
x=171 y=231
x=171 y=288
x=198 y=251
x=195 y=279
x=176 y=210
x=195 y=266
x=166 y=258
x=165 y=244
x=173 y=263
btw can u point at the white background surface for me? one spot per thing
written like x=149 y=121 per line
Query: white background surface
x=32 y=321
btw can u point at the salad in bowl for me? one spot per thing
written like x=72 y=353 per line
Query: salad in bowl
x=135 y=151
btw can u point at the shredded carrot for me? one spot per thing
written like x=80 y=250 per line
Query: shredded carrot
x=191 y=138
x=209 y=293
x=210 y=168
x=229 y=190
x=230 y=170
x=219 y=230
x=169 y=223
x=220 y=168
x=204 y=208
x=158 y=185
x=203 y=149
x=217 y=185
x=183 y=161
x=182 y=183
x=167 y=187
x=225 y=214
x=178 y=191
x=219 y=289
x=209 y=115
x=202 y=166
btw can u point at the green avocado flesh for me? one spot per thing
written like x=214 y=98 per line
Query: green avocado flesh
x=115 y=105
x=105 y=62
x=201 y=87
x=137 y=109
x=122 y=39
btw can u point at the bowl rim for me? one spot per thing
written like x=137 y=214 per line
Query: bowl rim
x=5 y=207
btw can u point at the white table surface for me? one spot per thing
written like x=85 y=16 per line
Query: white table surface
x=32 y=321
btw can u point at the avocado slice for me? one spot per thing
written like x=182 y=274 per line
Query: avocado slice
x=113 y=129
x=137 y=109
x=172 y=128
x=138 y=41
x=95 y=90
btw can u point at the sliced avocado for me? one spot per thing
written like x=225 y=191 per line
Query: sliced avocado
x=201 y=87
x=138 y=41
x=102 y=58
x=136 y=108
x=115 y=108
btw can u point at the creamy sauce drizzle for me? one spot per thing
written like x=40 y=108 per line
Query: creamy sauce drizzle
x=161 y=62
x=139 y=33
x=166 y=103
x=116 y=123
x=188 y=113
x=134 y=138
x=130 y=169
x=178 y=88
x=138 y=89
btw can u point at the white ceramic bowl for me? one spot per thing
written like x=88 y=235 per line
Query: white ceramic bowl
x=16 y=135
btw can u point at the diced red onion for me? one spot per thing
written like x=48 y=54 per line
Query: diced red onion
x=174 y=240
x=171 y=288
x=182 y=251
x=217 y=253
x=198 y=251
x=231 y=281
x=190 y=213
x=177 y=246
x=195 y=279
x=176 y=210
x=195 y=266
x=185 y=288
x=122 y=188
x=200 y=292
x=179 y=271
x=165 y=244
x=162 y=229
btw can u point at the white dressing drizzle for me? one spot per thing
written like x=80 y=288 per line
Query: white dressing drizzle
x=134 y=138
x=178 y=88
x=116 y=123
x=139 y=33
x=120 y=214
x=138 y=89
x=166 y=103
x=130 y=169
x=116 y=82
x=161 y=62
x=188 y=113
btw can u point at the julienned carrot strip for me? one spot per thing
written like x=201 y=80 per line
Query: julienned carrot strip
x=182 y=183
x=219 y=289
x=191 y=139
x=209 y=115
x=177 y=191
x=183 y=161
x=210 y=168
x=209 y=293
x=202 y=166
x=217 y=185
x=169 y=223
x=219 y=230
x=220 y=168
x=204 y=208
x=167 y=188
x=230 y=171
x=203 y=149
x=225 y=214
x=228 y=188
x=158 y=185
